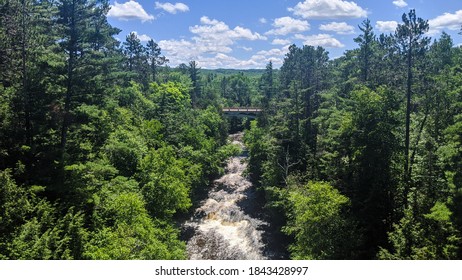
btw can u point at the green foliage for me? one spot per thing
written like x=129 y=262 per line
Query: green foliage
x=14 y=206
x=140 y=241
x=84 y=179
x=164 y=183
x=170 y=94
x=125 y=149
x=373 y=142
x=236 y=90
x=317 y=222
x=32 y=227
x=260 y=146
x=124 y=230
x=47 y=237
x=335 y=124
x=432 y=236
x=366 y=43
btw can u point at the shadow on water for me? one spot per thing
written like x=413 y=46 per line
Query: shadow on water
x=230 y=223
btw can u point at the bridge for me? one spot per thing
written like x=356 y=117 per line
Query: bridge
x=241 y=112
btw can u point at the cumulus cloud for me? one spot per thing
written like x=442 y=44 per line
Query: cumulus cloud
x=129 y=11
x=172 y=8
x=247 y=49
x=322 y=40
x=328 y=9
x=386 y=26
x=264 y=54
x=276 y=56
x=400 y=3
x=446 y=20
x=142 y=37
x=245 y=33
x=286 y=25
x=177 y=48
x=280 y=42
x=214 y=32
x=263 y=20
x=210 y=45
x=338 y=27
x=222 y=60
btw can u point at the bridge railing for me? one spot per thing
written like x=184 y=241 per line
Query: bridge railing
x=242 y=109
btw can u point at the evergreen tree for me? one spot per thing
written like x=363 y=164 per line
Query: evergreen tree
x=366 y=43
x=412 y=43
x=155 y=58
x=267 y=88
x=193 y=70
x=136 y=59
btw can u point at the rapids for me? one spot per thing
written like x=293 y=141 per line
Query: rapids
x=222 y=229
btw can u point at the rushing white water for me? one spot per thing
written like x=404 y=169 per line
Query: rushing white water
x=223 y=231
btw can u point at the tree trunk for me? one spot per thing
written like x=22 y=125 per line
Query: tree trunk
x=26 y=92
x=69 y=87
x=407 y=175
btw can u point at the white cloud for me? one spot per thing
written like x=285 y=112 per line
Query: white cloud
x=338 y=27
x=172 y=8
x=446 y=20
x=262 y=57
x=184 y=51
x=225 y=61
x=400 y=3
x=263 y=20
x=214 y=32
x=247 y=49
x=280 y=42
x=386 y=26
x=322 y=40
x=142 y=37
x=211 y=45
x=222 y=60
x=286 y=25
x=175 y=47
x=128 y=11
x=244 y=33
x=272 y=52
x=328 y=9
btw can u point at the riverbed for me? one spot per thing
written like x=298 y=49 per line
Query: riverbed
x=222 y=228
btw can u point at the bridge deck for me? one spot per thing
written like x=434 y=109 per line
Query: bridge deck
x=241 y=110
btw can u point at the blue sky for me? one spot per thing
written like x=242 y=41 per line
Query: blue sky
x=245 y=34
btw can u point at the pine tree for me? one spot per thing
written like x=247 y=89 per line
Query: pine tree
x=155 y=58
x=193 y=70
x=365 y=41
x=86 y=36
x=412 y=43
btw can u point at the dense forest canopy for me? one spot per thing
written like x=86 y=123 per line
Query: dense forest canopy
x=104 y=145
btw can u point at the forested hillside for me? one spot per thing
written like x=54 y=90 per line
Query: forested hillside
x=103 y=145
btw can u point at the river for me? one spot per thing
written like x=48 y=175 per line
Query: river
x=225 y=225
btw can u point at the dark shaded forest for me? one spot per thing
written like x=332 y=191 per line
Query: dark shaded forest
x=104 y=146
